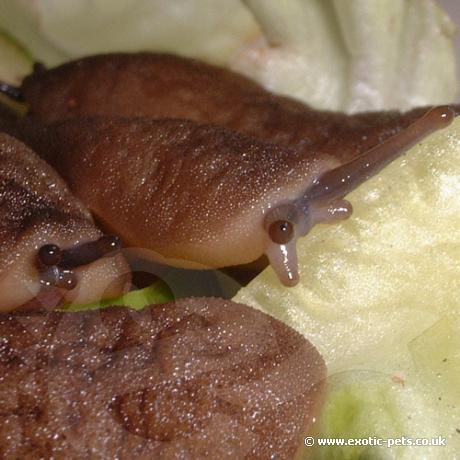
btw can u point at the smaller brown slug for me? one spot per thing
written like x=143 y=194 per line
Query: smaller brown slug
x=200 y=196
x=51 y=250
x=167 y=86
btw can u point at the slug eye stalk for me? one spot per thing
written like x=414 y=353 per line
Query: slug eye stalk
x=56 y=265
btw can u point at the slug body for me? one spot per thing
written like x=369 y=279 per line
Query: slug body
x=166 y=86
x=44 y=233
x=197 y=378
x=200 y=196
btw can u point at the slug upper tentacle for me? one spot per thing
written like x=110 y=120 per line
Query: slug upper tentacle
x=38 y=216
x=342 y=180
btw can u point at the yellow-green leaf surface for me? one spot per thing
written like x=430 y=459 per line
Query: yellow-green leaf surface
x=14 y=61
x=58 y=30
x=157 y=293
x=436 y=354
x=374 y=284
x=353 y=55
x=363 y=405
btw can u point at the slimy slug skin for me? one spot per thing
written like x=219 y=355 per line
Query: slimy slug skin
x=50 y=247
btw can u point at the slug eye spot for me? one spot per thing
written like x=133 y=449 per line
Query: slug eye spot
x=281 y=231
x=49 y=255
x=67 y=280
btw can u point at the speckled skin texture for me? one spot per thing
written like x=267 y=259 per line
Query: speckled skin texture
x=199 y=378
x=26 y=175
x=189 y=192
x=167 y=86
x=37 y=208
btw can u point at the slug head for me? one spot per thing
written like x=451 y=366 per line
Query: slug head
x=38 y=217
x=323 y=202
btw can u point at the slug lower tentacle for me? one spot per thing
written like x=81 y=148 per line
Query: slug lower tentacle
x=166 y=86
x=38 y=216
x=200 y=196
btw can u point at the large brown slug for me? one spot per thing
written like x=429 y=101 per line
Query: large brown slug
x=201 y=196
x=38 y=217
x=167 y=86
x=197 y=378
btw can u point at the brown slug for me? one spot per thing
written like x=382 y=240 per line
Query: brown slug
x=201 y=196
x=50 y=249
x=192 y=379
x=167 y=86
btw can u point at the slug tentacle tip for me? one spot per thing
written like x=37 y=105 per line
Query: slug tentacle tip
x=283 y=259
x=443 y=115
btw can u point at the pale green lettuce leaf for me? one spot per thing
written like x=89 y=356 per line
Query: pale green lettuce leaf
x=14 y=61
x=21 y=19
x=436 y=354
x=58 y=30
x=301 y=53
x=353 y=55
x=157 y=293
x=363 y=405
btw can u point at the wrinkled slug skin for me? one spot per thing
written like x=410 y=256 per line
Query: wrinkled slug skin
x=37 y=208
x=167 y=86
x=193 y=194
x=200 y=378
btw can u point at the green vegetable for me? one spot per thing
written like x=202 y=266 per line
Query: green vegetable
x=157 y=293
x=374 y=406
x=14 y=61
x=436 y=354
x=360 y=405
x=58 y=30
x=354 y=55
